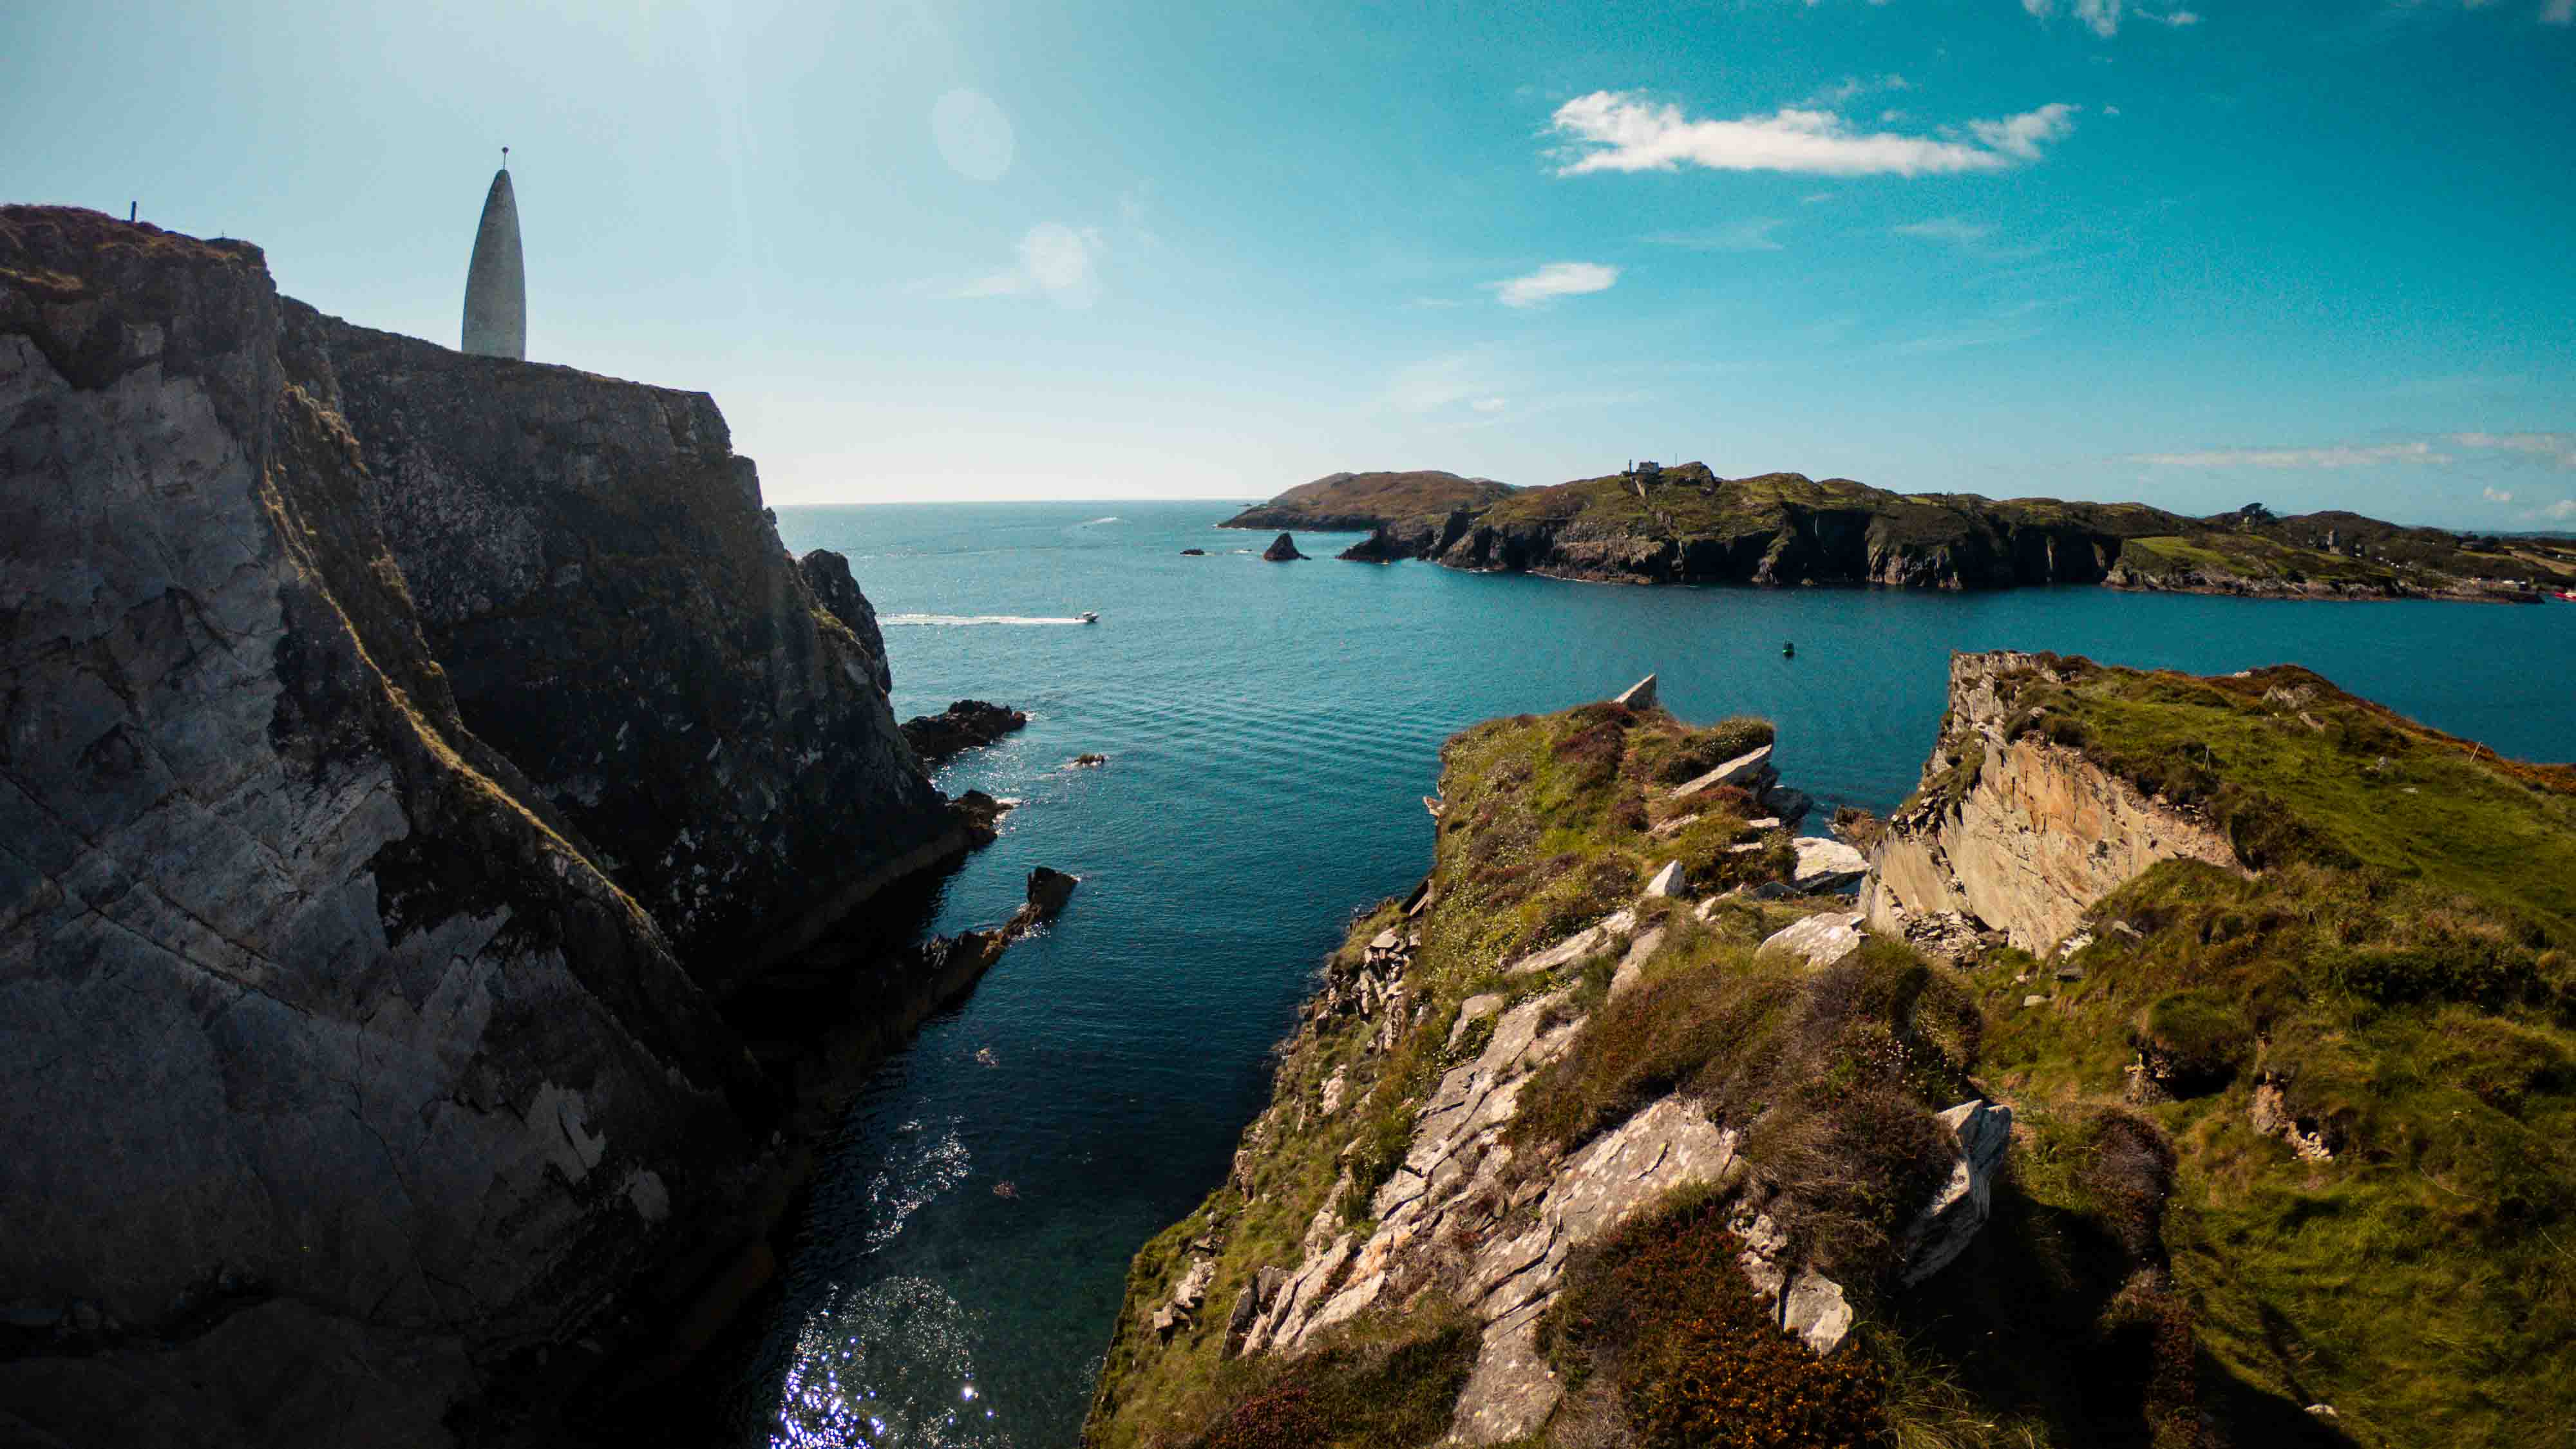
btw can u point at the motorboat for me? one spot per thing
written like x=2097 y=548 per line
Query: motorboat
x=1090 y=618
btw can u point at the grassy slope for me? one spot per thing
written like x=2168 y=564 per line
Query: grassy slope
x=1388 y=497
x=2400 y=971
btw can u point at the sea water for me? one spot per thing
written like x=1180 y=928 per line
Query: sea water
x=1270 y=730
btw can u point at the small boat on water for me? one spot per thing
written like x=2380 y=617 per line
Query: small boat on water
x=1788 y=651
x=2567 y=595
x=1090 y=618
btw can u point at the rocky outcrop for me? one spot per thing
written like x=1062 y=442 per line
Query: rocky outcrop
x=341 y=1067
x=828 y=575
x=2014 y=832
x=965 y=725
x=1407 y=506
x=1282 y=549
x=591 y=564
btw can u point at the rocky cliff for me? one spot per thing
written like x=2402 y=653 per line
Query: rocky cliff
x=2014 y=831
x=348 y=1074
x=1516 y=1089
x=591 y=562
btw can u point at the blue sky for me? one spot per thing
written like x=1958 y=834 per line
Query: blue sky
x=2320 y=254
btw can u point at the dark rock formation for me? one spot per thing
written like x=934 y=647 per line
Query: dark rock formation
x=981 y=814
x=1381 y=546
x=828 y=575
x=377 y=721
x=964 y=725
x=1283 y=549
x=341 y=1067
x=1194 y=553
x=592 y=565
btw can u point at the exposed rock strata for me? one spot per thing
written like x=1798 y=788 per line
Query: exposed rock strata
x=592 y=565
x=2017 y=833
x=341 y=1067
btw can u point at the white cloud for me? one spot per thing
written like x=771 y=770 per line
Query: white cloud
x=1851 y=86
x=1433 y=302
x=2341 y=455
x=2024 y=134
x=2497 y=495
x=2558 y=12
x=1056 y=260
x=1751 y=234
x=1948 y=229
x=2555 y=449
x=2102 y=15
x=1489 y=404
x=2563 y=508
x=1556 y=279
x=1625 y=132
x=2177 y=19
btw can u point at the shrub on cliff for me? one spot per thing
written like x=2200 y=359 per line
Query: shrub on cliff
x=1663 y=1311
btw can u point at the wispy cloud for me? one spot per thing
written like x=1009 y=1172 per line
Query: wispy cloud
x=1947 y=228
x=2547 y=450
x=2177 y=19
x=1751 y=234
x=1850 y=87
x=2558 y=12
x=2557 y=450
x=2341 y=455
x=1056 y=261
x=2101 y=16
x=2497 y=495
x=1556 y=279
x=2024 y=134
x=1489 y=404
x=1622 y=131
x=2564 y=508
x=1438 y=382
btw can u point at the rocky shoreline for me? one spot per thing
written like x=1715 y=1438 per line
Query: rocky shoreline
x=1685 y=524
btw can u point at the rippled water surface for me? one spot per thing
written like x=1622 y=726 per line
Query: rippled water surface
x=1270 y=729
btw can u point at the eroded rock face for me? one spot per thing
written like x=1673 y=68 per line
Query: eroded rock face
x=2038 y=836
x=591 y=563
x=339 y=1067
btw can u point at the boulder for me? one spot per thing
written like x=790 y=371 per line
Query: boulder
x=1640 y=695
x=1826 y=865
x=1738 y=771
x=1667 y=881
x=1942 y=1230
x=1820 y=940
x=1789 y=806
x=1282 y=549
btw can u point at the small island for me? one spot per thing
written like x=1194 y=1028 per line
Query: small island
x=1651 y=524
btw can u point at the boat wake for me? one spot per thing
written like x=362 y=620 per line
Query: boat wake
x=960 y=621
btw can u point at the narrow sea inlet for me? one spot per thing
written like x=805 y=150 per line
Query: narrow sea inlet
x=1269 y=730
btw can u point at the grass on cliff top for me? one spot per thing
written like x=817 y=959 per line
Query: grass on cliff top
x=2251 y=556
x=1418 y=494
x=2399 y=984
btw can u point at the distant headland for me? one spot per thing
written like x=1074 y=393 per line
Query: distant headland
x=1651 y=524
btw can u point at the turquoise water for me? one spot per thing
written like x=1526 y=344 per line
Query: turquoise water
x=1270 y=729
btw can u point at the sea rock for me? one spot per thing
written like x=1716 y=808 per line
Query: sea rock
x=1826 y=865
x=964 y=725
x=981 y=815
x=1819 y=940
x=1048 y=893
x=1640 y=695
x=1194 y=553
x=1282 y=549
x=1944 y=1227
x=1380 y=547
x=1087 y=761
x=591 y=566
x=341 y=1067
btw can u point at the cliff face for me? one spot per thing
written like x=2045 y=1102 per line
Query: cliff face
x=347 y=1075
x=592 y=563
x=2016 y=832
x=339 y=1068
